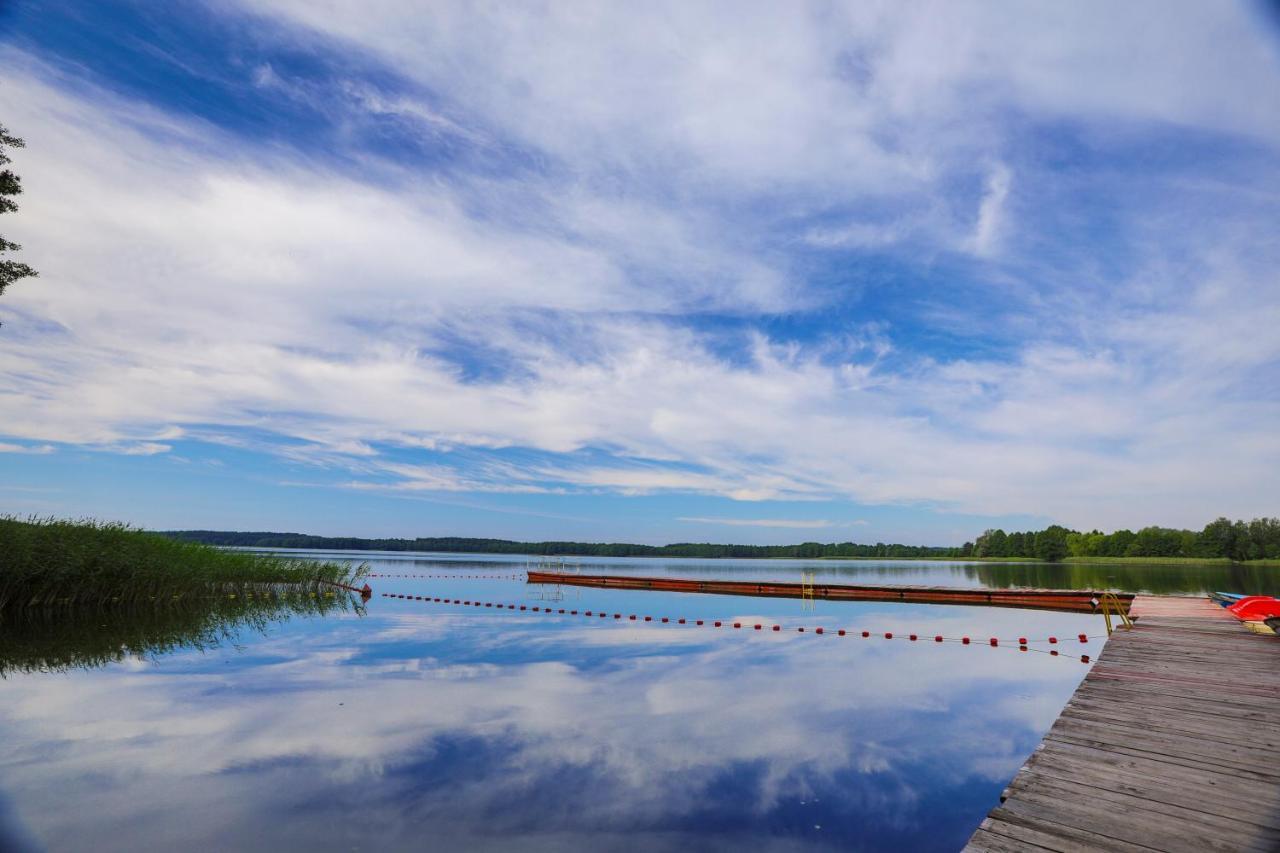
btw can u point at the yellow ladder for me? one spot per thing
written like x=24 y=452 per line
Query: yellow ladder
x=807 y=599
x=1110 y=603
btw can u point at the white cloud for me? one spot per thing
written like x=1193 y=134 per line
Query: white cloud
x=38 y=449
x=784 y=93
x=142 y=448
x=257 y=290
x=986 y=232
x=797 y=523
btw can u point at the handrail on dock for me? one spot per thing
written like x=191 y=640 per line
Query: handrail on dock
x=1109 y=603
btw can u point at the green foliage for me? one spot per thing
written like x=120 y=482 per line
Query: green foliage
x=1236 y=541
x=10 y=185
x=48 y=562
x=1050 y=543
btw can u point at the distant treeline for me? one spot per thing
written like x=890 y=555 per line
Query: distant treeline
x=805 y=550
x=1238 y=541
x=1235 y=540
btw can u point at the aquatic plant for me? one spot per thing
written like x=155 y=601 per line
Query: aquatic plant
x=52 y=562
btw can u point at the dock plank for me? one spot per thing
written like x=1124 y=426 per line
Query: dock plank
x=1171 y=742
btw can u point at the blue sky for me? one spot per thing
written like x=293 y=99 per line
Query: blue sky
x=875 y=272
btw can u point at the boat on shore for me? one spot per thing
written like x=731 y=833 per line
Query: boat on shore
x=1258 y=613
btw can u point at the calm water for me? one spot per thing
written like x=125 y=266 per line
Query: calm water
x=412 y=725
x=1158 y=579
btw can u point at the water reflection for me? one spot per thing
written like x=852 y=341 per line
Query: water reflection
x=428 y=726
x=1123 y=577
x=1166 y=579
x=53 y=639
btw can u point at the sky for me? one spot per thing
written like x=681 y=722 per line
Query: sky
x=643 y=272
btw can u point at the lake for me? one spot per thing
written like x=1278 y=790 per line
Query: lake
x=407 y=724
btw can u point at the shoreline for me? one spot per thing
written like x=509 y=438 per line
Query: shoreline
x=1206 y=562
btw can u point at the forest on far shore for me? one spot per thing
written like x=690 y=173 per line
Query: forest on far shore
x=1220 y=539
x=1238 y=541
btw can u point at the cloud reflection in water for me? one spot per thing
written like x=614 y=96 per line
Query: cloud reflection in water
x=428 y=726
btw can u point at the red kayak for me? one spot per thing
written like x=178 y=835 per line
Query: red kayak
x=1255 y=608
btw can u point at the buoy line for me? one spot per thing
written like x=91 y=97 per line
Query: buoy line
x=1023 y=644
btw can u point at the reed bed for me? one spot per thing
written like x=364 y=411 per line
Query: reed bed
x=52 y=562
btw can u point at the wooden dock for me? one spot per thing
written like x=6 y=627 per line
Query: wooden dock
x=1171 y=743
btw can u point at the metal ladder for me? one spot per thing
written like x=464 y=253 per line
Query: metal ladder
x=1109 y=603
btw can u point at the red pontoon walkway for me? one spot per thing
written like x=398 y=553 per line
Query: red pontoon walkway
x=1078 y=601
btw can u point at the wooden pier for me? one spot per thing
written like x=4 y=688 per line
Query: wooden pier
x=1171 y=743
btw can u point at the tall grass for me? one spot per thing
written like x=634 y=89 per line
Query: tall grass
x=48 y=562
